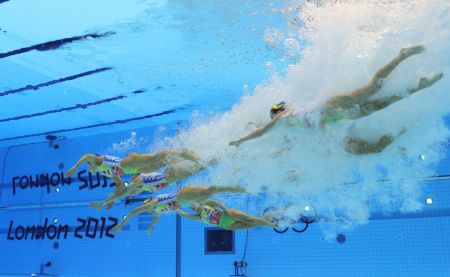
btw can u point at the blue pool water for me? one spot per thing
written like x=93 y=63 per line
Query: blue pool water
x=116 y=77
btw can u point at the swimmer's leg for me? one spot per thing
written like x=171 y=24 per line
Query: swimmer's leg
x=108 y=202
x=174 y=155
x=144 y=208
x=238 y=225
x=82 y=160
x=249 y=219
x=339 y=107
x=179 y=171
x=221 y=189
x=275 y=215
x=378 y=104
x=360 y=147
x=154 y=221
x=187 y=155
x=120 y=185
x=158 y=160
x=119 y=192
x=136 y=180
x=200 y=193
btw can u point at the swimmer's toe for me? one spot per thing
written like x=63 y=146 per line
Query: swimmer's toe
x=109 y=206
x=116 y=229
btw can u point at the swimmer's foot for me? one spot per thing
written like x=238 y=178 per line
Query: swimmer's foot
x=213 y=161
x=96 y=205
x=109 y=205
x=237 y=189
x=116 y=229
x=71 y=172
x=272 y=224
x=409 y=51
x=149 y=231
x=274 y=216
x=271 y=219
x=425 y=82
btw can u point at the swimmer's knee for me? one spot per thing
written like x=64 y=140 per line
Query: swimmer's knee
x=213 y=188
x=131 y=155
x=129 y=158
x=166 y=152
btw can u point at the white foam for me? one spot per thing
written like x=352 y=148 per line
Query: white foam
x=133 y=143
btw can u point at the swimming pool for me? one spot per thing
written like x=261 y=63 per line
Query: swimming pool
x=116 y=77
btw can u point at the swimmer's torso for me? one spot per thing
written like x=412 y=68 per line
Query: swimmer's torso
x=211 y=215
x=168 y=202
x=111 y=166
x=154 y=181
x=300 y=119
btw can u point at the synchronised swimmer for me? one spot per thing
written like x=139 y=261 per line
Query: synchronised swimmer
x=353 y=105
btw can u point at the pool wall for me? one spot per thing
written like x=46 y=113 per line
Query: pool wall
x=389 y=245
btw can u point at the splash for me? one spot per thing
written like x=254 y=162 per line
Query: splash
x=343 y=43
x=133 y=143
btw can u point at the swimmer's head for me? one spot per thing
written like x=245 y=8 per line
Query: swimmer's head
x=276 y=109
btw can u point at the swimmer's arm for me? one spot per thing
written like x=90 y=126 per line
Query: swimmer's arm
x=152 y=225
x=83 y=159
x=188 y=216
x=260 y=131
x=361 y=147
x=150 y=203
x=256 y=134
x=148 y=188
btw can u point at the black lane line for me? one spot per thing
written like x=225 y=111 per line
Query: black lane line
x=52 y=45
x=139 y=91
x=78 y=106
x=53 y=82
x=122 y=121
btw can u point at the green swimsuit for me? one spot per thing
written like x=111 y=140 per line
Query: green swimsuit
x=111 y=166
x=215 y=216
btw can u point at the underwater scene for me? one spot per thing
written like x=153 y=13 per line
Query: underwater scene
x=225 y=138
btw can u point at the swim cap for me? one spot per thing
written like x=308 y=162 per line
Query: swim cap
x=279 y=106
x=275 y=109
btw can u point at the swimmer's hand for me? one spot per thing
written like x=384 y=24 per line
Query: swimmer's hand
x=234 y=143
x=149 y=231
